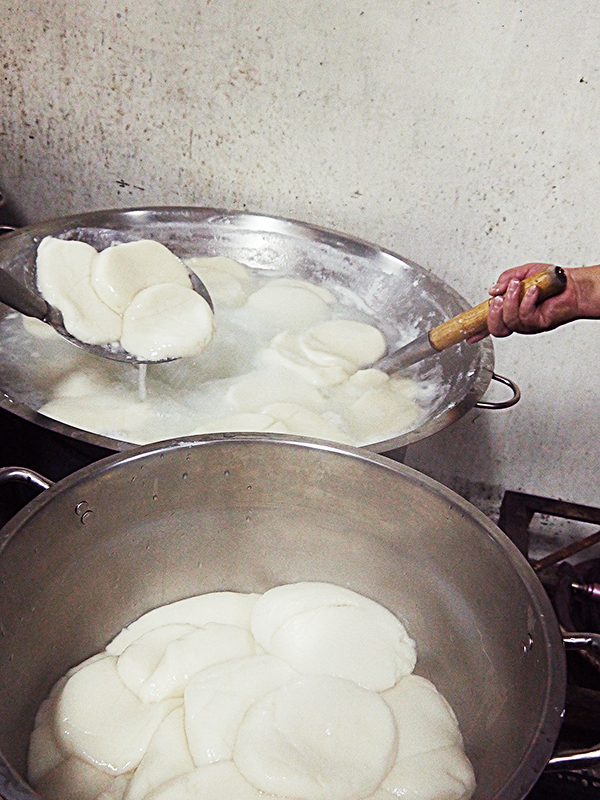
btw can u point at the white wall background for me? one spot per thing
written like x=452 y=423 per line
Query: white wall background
x=463 y=134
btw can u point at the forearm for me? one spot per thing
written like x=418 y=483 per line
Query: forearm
x=585 y=287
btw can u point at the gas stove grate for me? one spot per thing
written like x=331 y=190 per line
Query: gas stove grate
x=574 y=591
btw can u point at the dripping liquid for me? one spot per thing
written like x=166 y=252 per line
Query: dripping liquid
x=142 y=389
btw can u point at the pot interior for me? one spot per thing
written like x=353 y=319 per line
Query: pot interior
x=248 y=512
x=404 y=299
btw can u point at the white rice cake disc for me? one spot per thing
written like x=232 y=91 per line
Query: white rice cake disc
x=63 y=274
x=320 y=628
x=101 y=721
x=121 y=271
x=317 y=738
x=281 y=306
x=228 y=608
x=221 y=781
x=167 y=321
x=217 y=699
x=166 y=758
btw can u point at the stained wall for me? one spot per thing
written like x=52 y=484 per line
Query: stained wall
x=462 y=134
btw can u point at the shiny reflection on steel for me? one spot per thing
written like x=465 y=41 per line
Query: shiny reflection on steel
x=516 y=394
x=405 y=299
x=578 y=759
x=408 y=355
x=317 y=511
x=24 y=475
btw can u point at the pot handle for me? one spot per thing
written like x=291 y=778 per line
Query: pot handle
x=24 y=475
x=516 y=394
x=579 y=759
x=12 y=787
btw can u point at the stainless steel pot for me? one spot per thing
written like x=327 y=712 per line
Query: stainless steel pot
x=401 y=295
x=247 y=512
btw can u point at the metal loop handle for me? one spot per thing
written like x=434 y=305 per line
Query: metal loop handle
x=502 y=403
x=24 y=475
x=12 y=787
x=578 y=759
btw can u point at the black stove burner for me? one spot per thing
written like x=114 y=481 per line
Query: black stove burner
x=53 y=455
x=574 y=591
x=565 y=786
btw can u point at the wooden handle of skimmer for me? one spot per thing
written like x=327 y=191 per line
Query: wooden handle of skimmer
x=549 y=281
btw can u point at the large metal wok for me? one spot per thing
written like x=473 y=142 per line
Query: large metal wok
x=247 y=512
x=404 y=298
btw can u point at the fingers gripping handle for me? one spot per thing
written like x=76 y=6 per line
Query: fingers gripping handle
x=550 y=281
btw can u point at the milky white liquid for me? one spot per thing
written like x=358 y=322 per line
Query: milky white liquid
x=194 y=395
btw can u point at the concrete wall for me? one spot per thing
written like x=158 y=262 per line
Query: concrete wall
x=463 y=134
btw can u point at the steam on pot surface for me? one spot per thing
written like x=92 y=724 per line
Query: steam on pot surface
x=300 y=315
x=288 y=356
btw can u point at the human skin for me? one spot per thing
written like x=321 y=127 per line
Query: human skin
x=579 y=300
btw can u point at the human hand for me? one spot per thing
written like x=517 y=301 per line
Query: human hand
x=508 y=313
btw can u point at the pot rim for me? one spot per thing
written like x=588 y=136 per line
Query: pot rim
x=536 y=758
